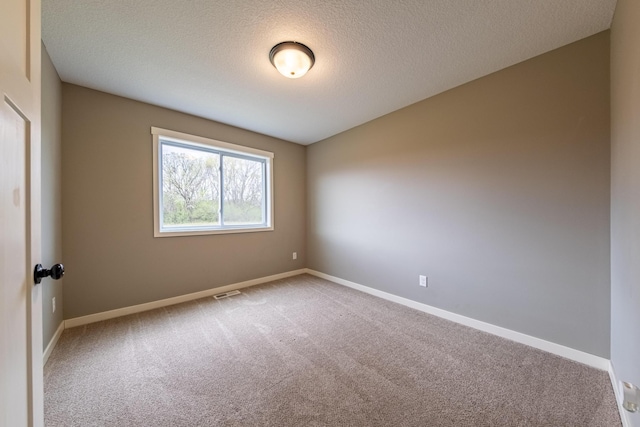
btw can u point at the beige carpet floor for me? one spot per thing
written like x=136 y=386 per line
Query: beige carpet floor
x=306 y=352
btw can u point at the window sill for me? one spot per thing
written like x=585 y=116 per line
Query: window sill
x=182 y=233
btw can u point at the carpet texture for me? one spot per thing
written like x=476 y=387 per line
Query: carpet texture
x=306 y=352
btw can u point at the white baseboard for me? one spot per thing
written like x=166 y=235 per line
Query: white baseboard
x=550 y=347
x=624 y=414
x=97 y=317
x=52 y=343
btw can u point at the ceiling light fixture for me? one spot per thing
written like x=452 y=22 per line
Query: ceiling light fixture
x=292 y=59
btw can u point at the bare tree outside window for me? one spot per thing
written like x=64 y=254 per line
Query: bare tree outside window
x=191 y=188
x=243 y=191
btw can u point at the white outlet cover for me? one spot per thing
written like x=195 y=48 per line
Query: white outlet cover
x=423 y=281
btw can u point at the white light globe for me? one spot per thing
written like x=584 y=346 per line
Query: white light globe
x=292 y=59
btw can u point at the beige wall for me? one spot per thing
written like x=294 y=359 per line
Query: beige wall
x=111 y=256
x=51 y=194
x=497 y=190
x=625 y=193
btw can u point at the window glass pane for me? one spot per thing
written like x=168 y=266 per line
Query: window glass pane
x=190 y=187
x=243 y=191
x=206 y=186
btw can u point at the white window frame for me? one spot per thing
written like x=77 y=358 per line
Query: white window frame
x=199 y=142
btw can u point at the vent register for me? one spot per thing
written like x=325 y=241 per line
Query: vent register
x=226 y=294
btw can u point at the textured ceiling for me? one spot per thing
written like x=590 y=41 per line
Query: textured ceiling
x=211 y=58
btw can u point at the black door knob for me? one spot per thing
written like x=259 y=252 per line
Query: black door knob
x=39 y=273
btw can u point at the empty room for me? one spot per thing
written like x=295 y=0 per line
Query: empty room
x=385 y=213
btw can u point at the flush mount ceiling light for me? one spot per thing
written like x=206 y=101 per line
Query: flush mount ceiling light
x=292 y=59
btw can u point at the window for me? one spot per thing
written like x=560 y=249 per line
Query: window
x=203 y=186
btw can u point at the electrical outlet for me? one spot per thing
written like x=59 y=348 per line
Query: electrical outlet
x=423 y=281
x=53 y=304
x=295 y=255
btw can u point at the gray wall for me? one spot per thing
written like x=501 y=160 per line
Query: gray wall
x=625 y=193
x=497 y=190
x=111 y=256
x=51 y=194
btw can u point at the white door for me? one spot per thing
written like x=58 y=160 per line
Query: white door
x=21 y=392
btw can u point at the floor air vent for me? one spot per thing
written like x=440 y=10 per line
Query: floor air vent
x=226 y=294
